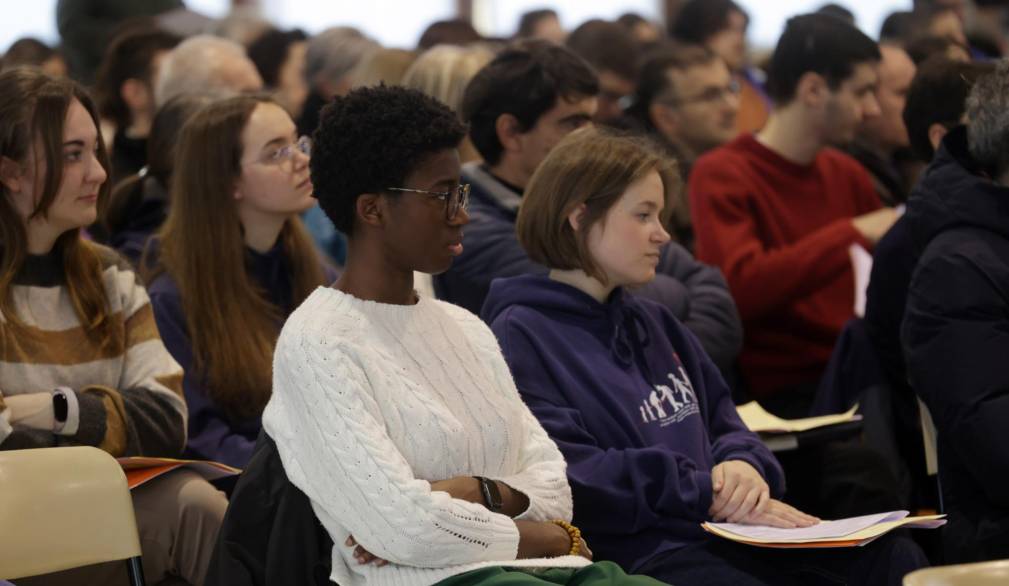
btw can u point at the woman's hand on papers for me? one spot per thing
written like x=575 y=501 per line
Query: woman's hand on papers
x=739 y=492
x=778 y=514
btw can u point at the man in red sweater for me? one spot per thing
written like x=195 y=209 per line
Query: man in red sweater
x=778 y=210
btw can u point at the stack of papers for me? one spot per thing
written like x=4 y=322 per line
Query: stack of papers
x=141 y=470
x=851 y=532
x=760 y=421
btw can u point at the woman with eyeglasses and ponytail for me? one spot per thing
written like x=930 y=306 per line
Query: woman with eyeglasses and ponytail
x=233 y=260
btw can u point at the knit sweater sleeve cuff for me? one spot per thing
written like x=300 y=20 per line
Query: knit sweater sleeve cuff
x=91 y=419
x=506 y=545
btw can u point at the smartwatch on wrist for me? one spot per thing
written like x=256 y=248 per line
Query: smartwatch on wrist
x=61 y=409
x=491 y=494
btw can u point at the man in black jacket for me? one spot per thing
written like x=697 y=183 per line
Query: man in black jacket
x=956 y=330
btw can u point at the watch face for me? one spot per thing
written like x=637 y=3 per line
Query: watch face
x=60 y=407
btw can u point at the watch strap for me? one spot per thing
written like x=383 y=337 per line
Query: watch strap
x=491 y=494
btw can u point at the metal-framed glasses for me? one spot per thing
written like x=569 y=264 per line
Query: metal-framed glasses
x=456 y=199
x=709 y=95
x=285 y=154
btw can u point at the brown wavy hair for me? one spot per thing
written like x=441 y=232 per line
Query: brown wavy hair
x=33 y=110
x=232 y=325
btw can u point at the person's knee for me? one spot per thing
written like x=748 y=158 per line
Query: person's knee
x=199 y=500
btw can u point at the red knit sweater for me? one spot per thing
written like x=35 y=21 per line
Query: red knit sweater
x=780 y=232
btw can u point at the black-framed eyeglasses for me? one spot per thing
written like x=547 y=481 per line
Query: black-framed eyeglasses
x=709 y=95
x=456 y=199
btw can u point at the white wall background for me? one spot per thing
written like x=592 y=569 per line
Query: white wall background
x=399 y=23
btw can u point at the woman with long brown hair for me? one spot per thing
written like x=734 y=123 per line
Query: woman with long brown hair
x=233 y=262
x=81 y=362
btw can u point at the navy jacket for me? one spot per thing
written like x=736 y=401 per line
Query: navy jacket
x=956 y=342
x=694 y=292
x=635 y=405
x=214 y=434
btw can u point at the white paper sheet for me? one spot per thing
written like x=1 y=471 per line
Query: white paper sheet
x=861 y=264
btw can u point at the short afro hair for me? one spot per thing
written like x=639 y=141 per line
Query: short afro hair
x=370 y=140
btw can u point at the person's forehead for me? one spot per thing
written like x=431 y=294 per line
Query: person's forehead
x=79 y=124
x=865 y=73
x=439 y=167
x=895 y=59
x=714 y=71
x=267 y=122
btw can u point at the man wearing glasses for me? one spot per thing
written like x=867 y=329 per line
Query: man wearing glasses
x=688 y=100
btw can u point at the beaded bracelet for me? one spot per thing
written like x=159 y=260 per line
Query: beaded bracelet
x=573 y=532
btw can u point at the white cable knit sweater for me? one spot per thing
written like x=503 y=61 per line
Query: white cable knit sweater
x=371 y=401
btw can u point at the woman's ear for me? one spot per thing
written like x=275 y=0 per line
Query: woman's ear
x=10 y=175
x=370 y=209
x=576 y=216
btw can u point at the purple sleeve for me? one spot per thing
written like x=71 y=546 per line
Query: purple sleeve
x=731 y=439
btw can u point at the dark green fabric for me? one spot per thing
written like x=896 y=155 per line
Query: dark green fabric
x=591 y=575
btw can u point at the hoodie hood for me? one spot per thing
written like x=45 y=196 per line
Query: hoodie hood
x=618 y=322
x=954 y=192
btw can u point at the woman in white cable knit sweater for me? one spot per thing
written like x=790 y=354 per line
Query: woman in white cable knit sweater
x=395 y=414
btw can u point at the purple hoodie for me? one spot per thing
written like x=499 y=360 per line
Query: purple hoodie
x=638 y=409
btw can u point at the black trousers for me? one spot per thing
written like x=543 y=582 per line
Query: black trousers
x=719 y=562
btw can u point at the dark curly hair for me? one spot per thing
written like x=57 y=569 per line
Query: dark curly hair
x=371 y=139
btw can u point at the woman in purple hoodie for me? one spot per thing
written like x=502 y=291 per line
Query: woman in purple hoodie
x=647 y=425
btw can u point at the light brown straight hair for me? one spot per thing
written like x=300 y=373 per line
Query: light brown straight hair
x=33 y=111
x=593 y=167
x=233 y=327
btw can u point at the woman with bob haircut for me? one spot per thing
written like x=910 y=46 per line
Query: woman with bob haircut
x=81 y=362
x=233 y=260
x=647 y=425
x=395 y=413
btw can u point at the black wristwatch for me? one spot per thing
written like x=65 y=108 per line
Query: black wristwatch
x=491 y=494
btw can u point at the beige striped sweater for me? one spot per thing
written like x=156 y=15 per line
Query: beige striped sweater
x=129 y=392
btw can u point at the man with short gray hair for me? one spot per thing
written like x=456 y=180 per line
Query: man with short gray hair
x=206 y=64
x=331 y=56
x=956 y=330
